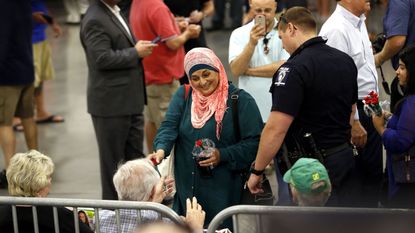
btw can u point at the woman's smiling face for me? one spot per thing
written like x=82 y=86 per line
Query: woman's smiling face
x=205 y=81
x=402 y=73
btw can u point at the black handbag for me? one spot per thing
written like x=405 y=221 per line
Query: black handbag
x=403 y=166
x=265 y=198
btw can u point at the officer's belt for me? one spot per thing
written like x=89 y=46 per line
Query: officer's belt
x=332 y=150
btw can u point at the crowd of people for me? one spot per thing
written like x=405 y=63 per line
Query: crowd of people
x=301 y=102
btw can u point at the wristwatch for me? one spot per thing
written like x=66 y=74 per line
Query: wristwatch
x=256 y=172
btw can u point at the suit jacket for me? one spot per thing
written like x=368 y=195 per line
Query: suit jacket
x=116 y=78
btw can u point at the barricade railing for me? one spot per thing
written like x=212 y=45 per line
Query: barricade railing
x=163 y=211
x=403 y=218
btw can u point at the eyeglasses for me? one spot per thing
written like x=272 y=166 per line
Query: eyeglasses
x=266 y=40
x=282 y=19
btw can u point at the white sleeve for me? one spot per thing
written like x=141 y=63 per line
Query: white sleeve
x=236 y=44
x=336 y=38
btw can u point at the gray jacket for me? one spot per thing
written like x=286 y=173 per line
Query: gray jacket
x=116 y=78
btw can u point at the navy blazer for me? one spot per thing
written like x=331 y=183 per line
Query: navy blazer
x=115 y=79
x=16 y=58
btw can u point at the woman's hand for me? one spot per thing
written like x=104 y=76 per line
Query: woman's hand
x=156 y=157
x=195 y=216
x=387 y=114
x=379 y=123
x=213 y=160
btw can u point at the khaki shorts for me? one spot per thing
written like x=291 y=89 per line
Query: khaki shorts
x=158 y=100
x=42 y=57
x=16 y=101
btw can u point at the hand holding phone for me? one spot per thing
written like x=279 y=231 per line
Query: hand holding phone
x=260 y=20
x=156 y=40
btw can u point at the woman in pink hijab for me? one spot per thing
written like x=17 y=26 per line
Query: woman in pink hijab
x=204 y=111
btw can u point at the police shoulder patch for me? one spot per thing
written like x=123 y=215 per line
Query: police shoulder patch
x=282 y=76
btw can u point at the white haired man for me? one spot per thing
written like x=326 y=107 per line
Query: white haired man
x=138 y=180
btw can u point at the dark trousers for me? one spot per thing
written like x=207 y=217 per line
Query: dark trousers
x=369 y=163
x=344 y=178
x=404 y=197
x=119 y=139
x=284 y=194
x=236 y=13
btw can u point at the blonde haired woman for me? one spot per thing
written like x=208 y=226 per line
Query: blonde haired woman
x=30 y=175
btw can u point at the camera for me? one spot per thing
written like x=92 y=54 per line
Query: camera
x=379 y=42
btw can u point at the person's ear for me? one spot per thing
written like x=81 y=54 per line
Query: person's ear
x=290 y=28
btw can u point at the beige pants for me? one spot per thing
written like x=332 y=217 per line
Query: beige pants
x=158 y=100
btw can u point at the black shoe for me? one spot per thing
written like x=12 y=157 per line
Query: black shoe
x=3 y=180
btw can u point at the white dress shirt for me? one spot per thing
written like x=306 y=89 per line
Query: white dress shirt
x=116 y=12
x=347 y=32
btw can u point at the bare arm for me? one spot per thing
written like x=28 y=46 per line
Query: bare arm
x=272 y=138
x=392 y=46
x=208 y=8
x=241 y=63
x=266 y=71
x=192 y=31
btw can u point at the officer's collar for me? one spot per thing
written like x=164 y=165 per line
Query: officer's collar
x=308 y=43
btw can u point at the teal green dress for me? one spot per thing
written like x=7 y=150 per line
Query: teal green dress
x=224 y=188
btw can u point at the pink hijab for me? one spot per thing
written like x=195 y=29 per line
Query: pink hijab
x=203 y=107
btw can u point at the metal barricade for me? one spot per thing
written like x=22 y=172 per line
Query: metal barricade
x=163 y=211
x=388 y=219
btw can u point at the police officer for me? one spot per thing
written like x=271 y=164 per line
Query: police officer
x=313 y=92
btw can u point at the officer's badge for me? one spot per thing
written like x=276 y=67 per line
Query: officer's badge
x=281 y=77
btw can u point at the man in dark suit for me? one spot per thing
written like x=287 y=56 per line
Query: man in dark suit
x=115 y=94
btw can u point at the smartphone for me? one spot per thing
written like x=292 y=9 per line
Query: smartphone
x=156 y=40
x=48 y=18
x=260 y=19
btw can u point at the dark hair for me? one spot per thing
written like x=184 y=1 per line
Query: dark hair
x=300 y=17
x=86 y=216
x=407 y=55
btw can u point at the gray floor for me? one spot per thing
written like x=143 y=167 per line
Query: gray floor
x=72 y=144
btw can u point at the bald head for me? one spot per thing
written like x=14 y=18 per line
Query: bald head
x=162 y=227
x=266 y=8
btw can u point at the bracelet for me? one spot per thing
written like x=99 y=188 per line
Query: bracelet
x=256 y=172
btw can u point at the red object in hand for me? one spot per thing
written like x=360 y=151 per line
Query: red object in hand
x=199 y=143
x=154 y=161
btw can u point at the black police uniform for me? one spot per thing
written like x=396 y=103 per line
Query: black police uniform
x=318 y=86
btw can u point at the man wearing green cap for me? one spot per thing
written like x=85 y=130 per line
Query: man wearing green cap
x=309 y=182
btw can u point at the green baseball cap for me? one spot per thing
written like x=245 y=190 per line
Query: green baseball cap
x=305 y=173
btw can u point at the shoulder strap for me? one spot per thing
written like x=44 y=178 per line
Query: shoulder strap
x=235 y=114
x=186 y=90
